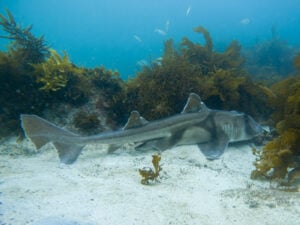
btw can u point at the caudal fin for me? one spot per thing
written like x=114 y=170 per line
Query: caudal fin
x=40 y=132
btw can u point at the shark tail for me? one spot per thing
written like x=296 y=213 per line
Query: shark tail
x=40 y=132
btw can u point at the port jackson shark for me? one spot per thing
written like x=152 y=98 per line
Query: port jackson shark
x=197 y=124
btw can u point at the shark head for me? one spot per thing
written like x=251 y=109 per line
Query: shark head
x=252 y=128
x=238 y=126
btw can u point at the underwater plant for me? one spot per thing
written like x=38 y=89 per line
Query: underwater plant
x=54 y=73
x=270 y=60
x=25 y=46
x=86 y=122
x=282 y=154
x=113 y=92
x=297 y=61
x=148 y=174
x=18 y=88
x=160 y=89
x=35 y=79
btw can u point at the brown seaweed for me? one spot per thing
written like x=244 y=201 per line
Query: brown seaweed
x=281 y=154
x=148 y=174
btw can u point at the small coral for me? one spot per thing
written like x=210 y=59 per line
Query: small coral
x=148 y=174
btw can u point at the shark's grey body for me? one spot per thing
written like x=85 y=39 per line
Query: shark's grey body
x=211 y=130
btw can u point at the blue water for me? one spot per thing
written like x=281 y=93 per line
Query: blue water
x=120 y=33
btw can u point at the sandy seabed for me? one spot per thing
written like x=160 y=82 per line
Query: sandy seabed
x=102 y=189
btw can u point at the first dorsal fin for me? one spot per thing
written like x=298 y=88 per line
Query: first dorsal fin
x=135 y=120
x=193 y=104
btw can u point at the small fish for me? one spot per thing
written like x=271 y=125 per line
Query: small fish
x=137 y=38
x=210 y=129
x=142 y=63
x=160 y=31
x=167 y=26
x=188 y=11
x=245 y=21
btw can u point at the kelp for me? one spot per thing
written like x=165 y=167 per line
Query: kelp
x=35 y=79
x=278 y=156
x=160 y=90
x=282 y=154
x=113 y=92
x=87 y=122
x=150 y=175
x=297 y=61
x=18 y=93
x=270 y=60
x=54 y=73
x=207 y=37
x=25 y=45
x=18 y=88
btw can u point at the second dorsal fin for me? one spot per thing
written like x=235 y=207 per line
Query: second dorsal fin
x=135 y=120
x=193 y=104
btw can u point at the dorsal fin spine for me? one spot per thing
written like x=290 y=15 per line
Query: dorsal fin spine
x=135 y=120
x=194 y=104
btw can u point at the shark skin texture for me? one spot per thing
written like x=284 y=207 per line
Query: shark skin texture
x=210 y=129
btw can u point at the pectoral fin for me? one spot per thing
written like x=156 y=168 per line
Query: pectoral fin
x=113 y=147
x=68 y=153
x=215 y=148
x=159 y=144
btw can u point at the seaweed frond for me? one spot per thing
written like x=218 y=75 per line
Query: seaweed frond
x=297 y=61
x=87 y=122
x=32 y=48
x=148 y=174
x=282 y=154
x=207 y=37
x=54 y=73
x=161 y=90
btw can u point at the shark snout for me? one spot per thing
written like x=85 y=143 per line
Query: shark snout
x=252 y=127
x=259 y=129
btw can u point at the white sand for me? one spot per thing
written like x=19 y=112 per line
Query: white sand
x=101 y=189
